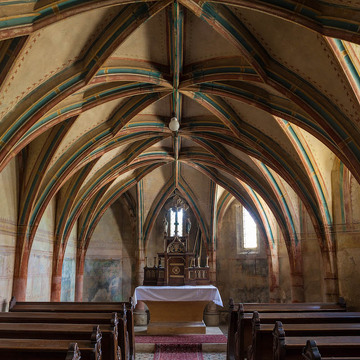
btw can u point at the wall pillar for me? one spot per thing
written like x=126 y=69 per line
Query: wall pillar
x=274 y=286
x=212 y=267
x=79 y=279
x=211 y=313
x=21 y=274
x=297 y=288
x=331 y=282
x=58 y=259
x=140 y=314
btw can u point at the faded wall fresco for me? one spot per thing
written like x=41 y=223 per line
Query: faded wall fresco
x=68 y=280
x=110 y=258
x=69 y=269
x=8 y=221
x=103 y=280
x=40 y=261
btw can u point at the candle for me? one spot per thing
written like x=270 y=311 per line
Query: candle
x=207 y=261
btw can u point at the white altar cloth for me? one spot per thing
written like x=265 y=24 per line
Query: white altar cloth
x=178 y=293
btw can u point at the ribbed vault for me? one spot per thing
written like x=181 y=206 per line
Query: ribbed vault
x=88 y=89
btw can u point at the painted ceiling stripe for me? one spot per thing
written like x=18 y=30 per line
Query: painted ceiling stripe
x=283 y=200
x=70 y=198
x=352 y=68
x=259 y=204
x=264 y=101
x=165 y=193
x=233 y=191
x=310 y=166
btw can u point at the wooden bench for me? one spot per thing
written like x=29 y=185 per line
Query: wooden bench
x=262 y=341
x=73 y=352
x=45 y=349
x=243 y=336
x=71 y=332
x=103 y=319
x=240 y=308
x=295 y=307
x=124 y=309
x=311 y=352
x=291 y=348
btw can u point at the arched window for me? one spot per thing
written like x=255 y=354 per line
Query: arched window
x=249 y=231
x=246 y=232
x=176 y=218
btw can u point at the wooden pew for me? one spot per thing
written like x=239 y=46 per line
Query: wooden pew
x=240 y=308
x=71 y=332
x=124 y=309
x=291 y=348
x=73 y=352
x=262 y=341
x=311 y=352
x=296 y=307
x=103 y=319
x=232 y=331
x=45 y=349
x=243 y=336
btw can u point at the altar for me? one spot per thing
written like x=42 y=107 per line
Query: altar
x=177 y=309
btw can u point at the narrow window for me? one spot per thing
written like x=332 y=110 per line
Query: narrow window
x=172 y=222
x=176 y=221
x=180 y=222
x=249 y=228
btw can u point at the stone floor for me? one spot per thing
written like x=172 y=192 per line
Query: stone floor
x=210 y=351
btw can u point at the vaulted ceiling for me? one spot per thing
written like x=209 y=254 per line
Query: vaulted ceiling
x=267 y=94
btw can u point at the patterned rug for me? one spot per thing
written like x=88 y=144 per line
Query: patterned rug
x=181 y=339
x=178 y=352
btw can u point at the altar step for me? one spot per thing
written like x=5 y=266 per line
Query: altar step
x=207 y=347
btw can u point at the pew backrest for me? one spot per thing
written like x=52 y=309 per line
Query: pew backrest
x=73 y=352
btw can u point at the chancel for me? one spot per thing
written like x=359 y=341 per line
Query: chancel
x=177 y=265
x=174 y=287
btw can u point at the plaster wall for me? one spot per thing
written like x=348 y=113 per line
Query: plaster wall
x=110 y=259
x=284 y=270
x=69 y=268
x=244 y=277
x=348 y=247
x=8 y=221
x=312 y=261
x=348 y=258
x=156 y=239
x=198 y=190
x=40 y=261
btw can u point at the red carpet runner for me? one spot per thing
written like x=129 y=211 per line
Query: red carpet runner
x=182 y=339
x=178 y=352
